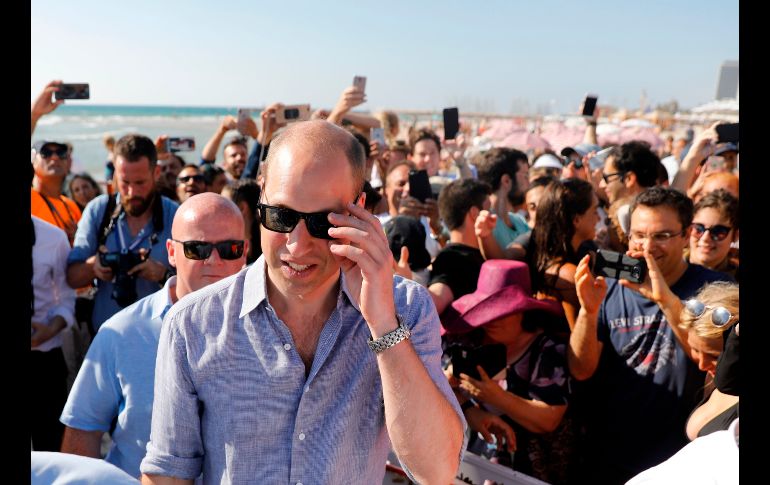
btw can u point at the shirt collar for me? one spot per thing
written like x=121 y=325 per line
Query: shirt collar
x=255 y=287
x=162 y=303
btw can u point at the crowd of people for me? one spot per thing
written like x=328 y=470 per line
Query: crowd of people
x=295 y=310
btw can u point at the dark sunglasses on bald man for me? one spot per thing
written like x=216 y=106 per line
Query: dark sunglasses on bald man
x=720 y=316
x=200 y=250
x=48 y=152
x=718 y=232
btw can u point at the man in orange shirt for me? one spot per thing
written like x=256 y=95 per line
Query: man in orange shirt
x=47 y=202
x=51 y=164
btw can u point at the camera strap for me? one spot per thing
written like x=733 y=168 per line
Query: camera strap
x=113 y=211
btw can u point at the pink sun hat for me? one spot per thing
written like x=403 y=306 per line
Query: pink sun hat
x=504 y=288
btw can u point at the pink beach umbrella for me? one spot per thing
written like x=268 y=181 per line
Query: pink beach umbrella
x=524 y=140
x=559 y=136
x=641 y=134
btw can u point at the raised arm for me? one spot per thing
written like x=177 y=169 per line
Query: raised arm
x=209 y=152
x=362 y=121
x=702 y=147
x=484 y=225
x=349 y=99
x=584 y=345
x=415 y=391
x=44 y=104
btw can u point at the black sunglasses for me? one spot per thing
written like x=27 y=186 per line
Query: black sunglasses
x=718 y=232
x=283 y=219
x=199 y=250
x=197 y=178
x=47 y=152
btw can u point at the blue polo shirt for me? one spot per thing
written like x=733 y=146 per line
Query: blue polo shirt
x=117 y=377
x=86 y=242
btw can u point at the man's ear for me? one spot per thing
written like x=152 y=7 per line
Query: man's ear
x=171 y=250
x=629 y=180
x=156 y=172
x=506 y=181
x=362 y=200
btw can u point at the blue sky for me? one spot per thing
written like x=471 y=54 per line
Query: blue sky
x=490 y=55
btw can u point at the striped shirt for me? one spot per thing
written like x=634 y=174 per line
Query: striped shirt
x=232 y=399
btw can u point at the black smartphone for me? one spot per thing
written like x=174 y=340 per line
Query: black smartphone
x=180 y=144
x=419 y=185
x=73 y=91
x=451 y=123
x=611 y=264
x=491 y=358
x=589 y=105
x=727 y=133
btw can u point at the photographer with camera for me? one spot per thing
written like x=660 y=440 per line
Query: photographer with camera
x=120 y=238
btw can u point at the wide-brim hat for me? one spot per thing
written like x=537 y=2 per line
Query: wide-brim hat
x=503 y=289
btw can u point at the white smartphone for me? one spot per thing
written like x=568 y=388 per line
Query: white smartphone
x=378 y=135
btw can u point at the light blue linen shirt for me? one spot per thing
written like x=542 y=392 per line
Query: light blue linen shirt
x=116 y=379
x=232 y=399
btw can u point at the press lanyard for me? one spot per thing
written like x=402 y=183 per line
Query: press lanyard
x=137 y=240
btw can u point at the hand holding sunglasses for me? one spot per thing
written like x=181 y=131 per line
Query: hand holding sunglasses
x=362 y=248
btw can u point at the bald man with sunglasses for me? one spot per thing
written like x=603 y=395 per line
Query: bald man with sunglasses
x=309 y=365
x=117 y=376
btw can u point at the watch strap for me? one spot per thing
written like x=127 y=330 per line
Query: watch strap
x=391 y=338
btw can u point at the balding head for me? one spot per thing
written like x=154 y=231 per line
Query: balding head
x=209 y=218
x=324 y=140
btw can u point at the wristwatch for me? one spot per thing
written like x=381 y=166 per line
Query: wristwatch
x=391 y=338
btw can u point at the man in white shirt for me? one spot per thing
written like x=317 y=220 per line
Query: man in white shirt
x=53 y=310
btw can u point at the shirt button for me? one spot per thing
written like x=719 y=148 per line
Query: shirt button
x=287 y=346
x=299 y=483
x=301 y=436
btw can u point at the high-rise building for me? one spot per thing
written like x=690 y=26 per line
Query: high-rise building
x=727 y=87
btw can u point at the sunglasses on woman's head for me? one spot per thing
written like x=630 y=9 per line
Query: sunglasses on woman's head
x=200 y=250
x=718 y=231
x=720 y=316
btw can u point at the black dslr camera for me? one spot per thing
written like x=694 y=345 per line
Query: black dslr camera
x=124 y=287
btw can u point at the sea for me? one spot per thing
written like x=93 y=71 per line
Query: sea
x=84 y=126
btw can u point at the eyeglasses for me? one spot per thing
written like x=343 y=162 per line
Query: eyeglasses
x=60 y=152
x=197 y=178
x=720 y=316
x=200 y=250
x=606 y=176
x=718 y=232
x=657 y=237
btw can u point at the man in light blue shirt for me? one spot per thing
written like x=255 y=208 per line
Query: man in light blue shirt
x=270 y=376
x=140 y=224
x=116 y=379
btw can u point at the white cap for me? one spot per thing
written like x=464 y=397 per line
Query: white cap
x=547 y=160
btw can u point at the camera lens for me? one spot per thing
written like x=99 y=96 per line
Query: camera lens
x=291 y=114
